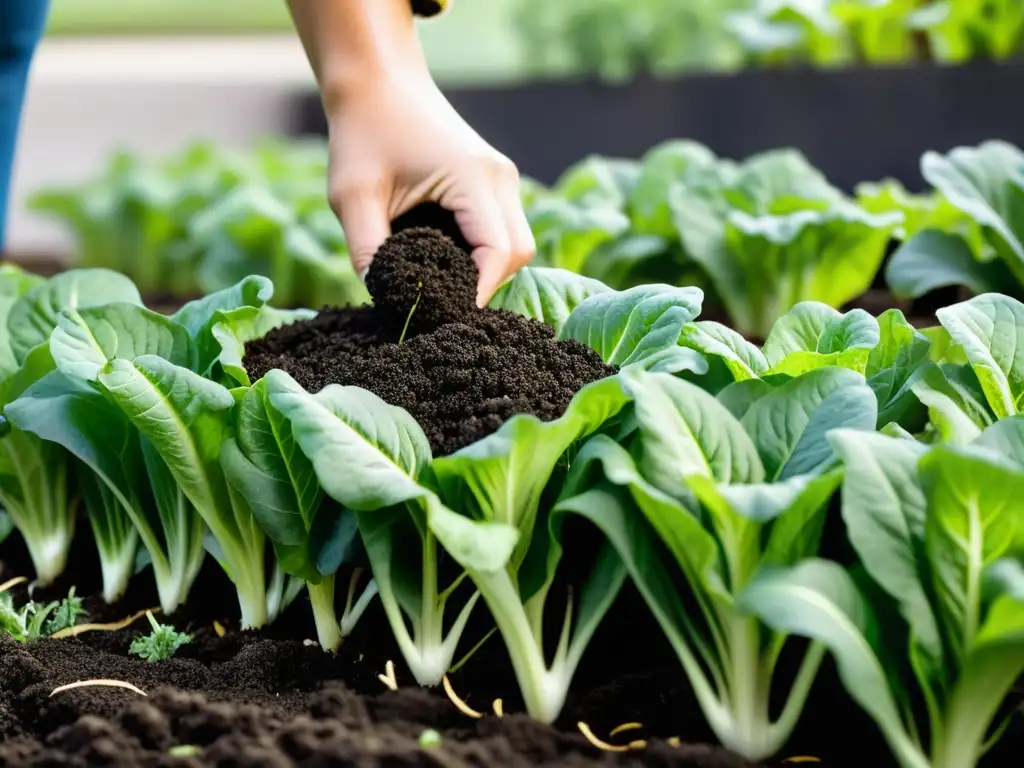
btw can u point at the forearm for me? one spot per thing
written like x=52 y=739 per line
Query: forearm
x=350 y=43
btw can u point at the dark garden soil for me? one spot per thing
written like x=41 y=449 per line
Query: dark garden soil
x=270 y=698
x=426 y=347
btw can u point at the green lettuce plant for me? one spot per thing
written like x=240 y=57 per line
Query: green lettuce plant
x=977 y=374
x=201 y=220
x=937 y=599
x=149 y=369
x=724 y=494
x=978 y=242
x=888 y=351
x=482 y=505
x=774 y=234
x=37 y=483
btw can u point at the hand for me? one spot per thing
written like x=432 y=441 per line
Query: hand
x=398 y=143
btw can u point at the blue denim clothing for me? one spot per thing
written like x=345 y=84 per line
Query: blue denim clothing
x=21 y=26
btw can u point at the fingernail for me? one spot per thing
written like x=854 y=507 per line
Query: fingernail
x=363 y=273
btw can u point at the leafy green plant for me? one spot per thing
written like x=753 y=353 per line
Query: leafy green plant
x=976 y=237
x=616 y=40
x=978 y=377
x=936 y=534
x=36 y=476
x=148 y=369
x=727 y=493
x=34 y=621
x=483 y=504
x=846 y=32
x=888 y=351
x=200 y=221
x=159 y=645
x=775 y=234
x=66 y=614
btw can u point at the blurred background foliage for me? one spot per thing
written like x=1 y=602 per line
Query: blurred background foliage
x=619 y=39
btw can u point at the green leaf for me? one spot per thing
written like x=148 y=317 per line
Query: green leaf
x=663 y=166
x=683 y=431
x=183 y=415
x=884 y=508
x=743 y=359
x=765 y=257
x=894 y=364
x=265 y=465
x=14 y=283
x=989 y=329
x=235 y=328
x=813 y=335
x=382 y=449
x=200 y=316
x=817 y=599
x=1006 y=438
x=790 y=424
x=545 y=294
x=933 y=259
x=35 y=315
x=986 y=183
x=566 y=233
x=640 y=326
x=974 y=501
x=501 y=477
x=84 y=341
x=692 y=547
x=956 y=403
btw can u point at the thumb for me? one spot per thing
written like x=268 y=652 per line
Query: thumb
x=365 y=222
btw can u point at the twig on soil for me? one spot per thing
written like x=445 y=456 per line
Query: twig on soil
x=802 y=759
x=112 y=627
x=388 y=678
x=460 y=705
x=101 y=682
x=625 y=727
x=218 y=629
x=673 y=741
x=10 y=583
x=499 y=708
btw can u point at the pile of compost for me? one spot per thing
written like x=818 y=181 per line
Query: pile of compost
x=424 y=345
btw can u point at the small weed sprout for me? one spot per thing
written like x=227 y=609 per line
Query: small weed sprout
x=160 y=644
x=37 y=620
x=408 y=318
x=67 y=613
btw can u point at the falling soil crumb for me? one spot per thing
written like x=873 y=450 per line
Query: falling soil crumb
x=460 y=371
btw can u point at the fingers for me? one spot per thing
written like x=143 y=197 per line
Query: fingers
x=365 y=221
x=493 y=222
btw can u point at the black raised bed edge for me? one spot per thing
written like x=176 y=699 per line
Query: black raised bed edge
x=855 y=125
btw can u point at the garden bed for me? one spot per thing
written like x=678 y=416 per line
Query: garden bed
x=268 y=698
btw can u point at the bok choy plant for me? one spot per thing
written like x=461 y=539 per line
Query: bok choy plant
x=937 y=532
x=775 y=233
x=148 y=368
x=979 y=374
x=888 y=351
x=37 y=484
x=483 y=504
x=725 y=495
x=983 y=249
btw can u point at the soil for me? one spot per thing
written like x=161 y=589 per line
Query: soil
x=270 y=698
x=425 y=346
